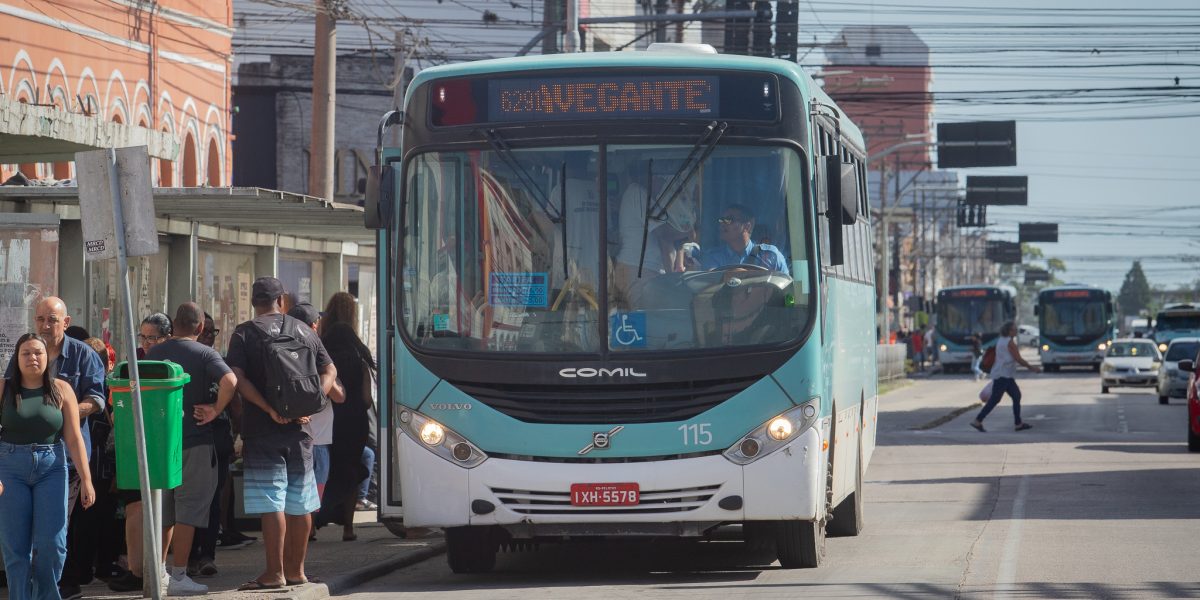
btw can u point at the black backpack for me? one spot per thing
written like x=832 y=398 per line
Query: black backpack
x=292 y=383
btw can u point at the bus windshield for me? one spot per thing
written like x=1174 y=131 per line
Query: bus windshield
x=1074 y=318
x=960 y=317
x=1168 y=321
x=505 y=250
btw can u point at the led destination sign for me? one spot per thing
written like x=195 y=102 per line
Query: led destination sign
x=523 y=99
x=531 y=99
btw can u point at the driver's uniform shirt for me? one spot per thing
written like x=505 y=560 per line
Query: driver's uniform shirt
x=763 y=255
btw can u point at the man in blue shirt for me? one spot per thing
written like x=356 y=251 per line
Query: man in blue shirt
x=79 y=365
x=735 y=225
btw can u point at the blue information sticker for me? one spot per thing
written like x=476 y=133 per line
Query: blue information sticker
x=441 y=322
x=527 y=290
x=627 y=330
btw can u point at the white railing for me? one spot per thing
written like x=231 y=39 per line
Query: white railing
x=889 y=360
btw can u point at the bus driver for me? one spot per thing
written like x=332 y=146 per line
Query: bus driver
x=735 y=225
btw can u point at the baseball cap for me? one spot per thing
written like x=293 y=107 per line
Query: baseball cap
x=266 y=288
x=305 y=312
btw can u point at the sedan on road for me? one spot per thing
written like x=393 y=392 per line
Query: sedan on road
x=1028 y=335
x=1130 y=363
x=1172 y=381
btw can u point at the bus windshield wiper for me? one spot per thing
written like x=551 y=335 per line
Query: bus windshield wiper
x=679 y=180
x=509 y=157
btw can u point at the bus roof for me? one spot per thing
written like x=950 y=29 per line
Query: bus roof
x=809 y=90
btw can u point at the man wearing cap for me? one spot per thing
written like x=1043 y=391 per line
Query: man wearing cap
x=277 y=454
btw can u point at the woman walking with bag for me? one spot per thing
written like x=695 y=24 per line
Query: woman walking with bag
x=1003 y=375
x=40 y=419
x=351 y=420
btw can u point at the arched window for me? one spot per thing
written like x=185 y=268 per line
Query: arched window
x=214 y=164
x=191 y=168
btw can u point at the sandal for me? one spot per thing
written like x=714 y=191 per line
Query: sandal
x=255 y=584
x=303 y=581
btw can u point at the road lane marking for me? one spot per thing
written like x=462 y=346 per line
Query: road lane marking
x=1006 y=578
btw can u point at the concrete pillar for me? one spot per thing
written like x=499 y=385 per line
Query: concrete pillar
x=181 y=270
x=335 y=278
x=266 y=261
x=73 y=274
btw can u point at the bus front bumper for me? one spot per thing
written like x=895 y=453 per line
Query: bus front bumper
x=531 y=498
x=1086 y=357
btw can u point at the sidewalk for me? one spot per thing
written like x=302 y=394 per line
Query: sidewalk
x=339 y=565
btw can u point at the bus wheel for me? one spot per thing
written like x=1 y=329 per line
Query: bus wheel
x=1164 y=399
x=848 y=516
x=470 y=549
x=800 y=544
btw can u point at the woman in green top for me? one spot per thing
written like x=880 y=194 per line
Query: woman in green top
x=38 y=413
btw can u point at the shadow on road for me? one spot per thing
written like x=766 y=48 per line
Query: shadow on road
x=1137 y=448
x=922 y=591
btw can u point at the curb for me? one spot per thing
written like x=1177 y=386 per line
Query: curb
x=357 y=577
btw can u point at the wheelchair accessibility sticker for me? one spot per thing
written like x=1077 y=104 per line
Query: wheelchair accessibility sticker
x=628 y=330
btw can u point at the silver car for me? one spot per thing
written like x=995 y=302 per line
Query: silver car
x=1130 y=363
x=1172 y=381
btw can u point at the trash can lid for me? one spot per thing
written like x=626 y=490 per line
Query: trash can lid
x=160 y=371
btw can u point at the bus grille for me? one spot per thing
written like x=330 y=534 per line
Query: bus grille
x=528 y=502
x=605 y=404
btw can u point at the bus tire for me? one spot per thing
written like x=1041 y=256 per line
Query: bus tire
x=470 y=549
x=848 y=515
x=799 y=544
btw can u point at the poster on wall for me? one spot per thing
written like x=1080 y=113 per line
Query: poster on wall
x=28 y=273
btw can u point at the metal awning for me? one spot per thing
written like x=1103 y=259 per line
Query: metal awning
x=237 y=215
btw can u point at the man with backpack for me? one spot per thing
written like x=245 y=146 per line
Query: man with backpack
x=284 y=375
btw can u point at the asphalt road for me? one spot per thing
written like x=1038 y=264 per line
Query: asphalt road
x=1099 y=500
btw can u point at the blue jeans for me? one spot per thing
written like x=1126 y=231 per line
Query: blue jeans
x=33 y=518
x=1000 y=385
x=368 y=459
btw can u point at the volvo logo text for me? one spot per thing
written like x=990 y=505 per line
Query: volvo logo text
x=572 y=372
x=450 y=406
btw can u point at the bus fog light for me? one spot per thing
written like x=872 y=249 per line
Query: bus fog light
x=809 y=411
x=432 y=433
x=780 y=429
x=462 y=451
x=1101 y=346
x=1045 y=347
x=943 y=348
x=750 y=447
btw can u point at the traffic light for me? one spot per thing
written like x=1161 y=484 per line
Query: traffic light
x=971 y=215
x=737 y=31
x=787 y=19
x=762 y=29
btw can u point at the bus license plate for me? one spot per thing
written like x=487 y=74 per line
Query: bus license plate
x=604 y=494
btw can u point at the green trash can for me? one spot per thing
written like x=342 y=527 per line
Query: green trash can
x=162 y=413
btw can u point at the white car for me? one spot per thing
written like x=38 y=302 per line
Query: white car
x=1130 y=362
x=1172 y=381
x=1027 y=335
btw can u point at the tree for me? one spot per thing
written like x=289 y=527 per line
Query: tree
x=1135 y=291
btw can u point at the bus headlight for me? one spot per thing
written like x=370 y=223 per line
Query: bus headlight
x=1045 y=347
x=441 y=440
x=1102 y=346
x=1162 y=347
x=774 y=434
x=942 y=348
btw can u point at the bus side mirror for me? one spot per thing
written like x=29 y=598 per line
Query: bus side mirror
x=847 y=189
x=380 y=196
x=829 y=172
x=1187 y=366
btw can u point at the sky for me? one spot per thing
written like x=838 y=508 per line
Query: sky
x=1107 y=137
x=1111 y=160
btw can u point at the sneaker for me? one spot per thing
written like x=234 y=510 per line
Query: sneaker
x=977 y=425
x=183 y=585
x=193 y=568
x=1022 y=427
x=207 y=568
x=70 y=592
x=126 y=582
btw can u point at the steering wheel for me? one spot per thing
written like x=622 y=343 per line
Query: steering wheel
x=739 y=266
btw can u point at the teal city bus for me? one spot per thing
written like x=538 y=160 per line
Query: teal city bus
x=624 y=294
x=966 y=310
x=1077 y=325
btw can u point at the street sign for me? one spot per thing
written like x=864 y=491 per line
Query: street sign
x=998 y=190
x=1004 y=252
x=93 y=171
x=1038 y=232
x=977 y=144
x=1036 y=276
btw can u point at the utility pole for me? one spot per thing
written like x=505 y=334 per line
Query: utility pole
x=550 y=11
x=320 y=161
x=660 y=32
x=571 y=35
